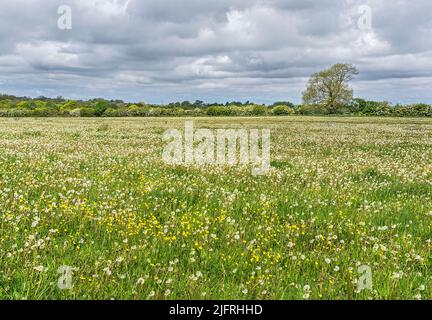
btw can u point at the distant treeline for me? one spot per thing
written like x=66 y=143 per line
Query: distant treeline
x=11 y=106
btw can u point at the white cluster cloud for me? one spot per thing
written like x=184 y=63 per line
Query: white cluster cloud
x=262 y=50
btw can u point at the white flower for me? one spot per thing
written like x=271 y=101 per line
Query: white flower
x=40 y=268
x=140 y=281
x=306 y=291
x=328 y=261
x=35 y=223
x=107 y=271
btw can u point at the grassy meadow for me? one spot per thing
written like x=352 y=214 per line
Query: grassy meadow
x=95 y=194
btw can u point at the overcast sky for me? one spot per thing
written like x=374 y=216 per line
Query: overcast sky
x=213 y=50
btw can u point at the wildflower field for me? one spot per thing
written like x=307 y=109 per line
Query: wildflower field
x=95 y=195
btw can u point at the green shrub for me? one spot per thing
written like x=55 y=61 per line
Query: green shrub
x=282 y=110
x=18 y=113
x=100 y=108
x=111 y=112
x=69 y=105
x=197 y=112
x=88 y=112
x=75 y=112
x=259 y=110
x=44 y=112
x=312 y=109
x=217 y=111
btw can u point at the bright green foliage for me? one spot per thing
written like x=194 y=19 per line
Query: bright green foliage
x=281 y=110
x=11 y=106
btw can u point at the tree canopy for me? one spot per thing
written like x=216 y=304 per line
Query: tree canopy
x=329 y=88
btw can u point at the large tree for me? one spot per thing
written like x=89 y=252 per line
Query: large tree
x=329 y=88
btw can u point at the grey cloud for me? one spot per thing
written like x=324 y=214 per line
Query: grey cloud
x=161 y=50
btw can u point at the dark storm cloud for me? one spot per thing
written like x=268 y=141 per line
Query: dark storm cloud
x=160 y=50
